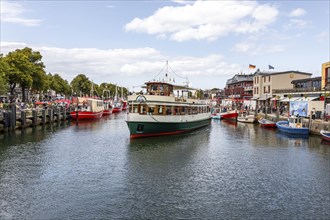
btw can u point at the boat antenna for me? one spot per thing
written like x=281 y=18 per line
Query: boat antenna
x=160 y=72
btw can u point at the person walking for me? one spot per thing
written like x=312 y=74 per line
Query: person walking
x=313 y=113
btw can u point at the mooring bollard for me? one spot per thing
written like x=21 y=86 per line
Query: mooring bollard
x=23 y=119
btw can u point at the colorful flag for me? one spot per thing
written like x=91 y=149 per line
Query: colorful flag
x=270 y=67
x=252 y=66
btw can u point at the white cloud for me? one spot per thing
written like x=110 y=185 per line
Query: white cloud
x=206 y=20
x=298 y=12
x=13 y=13
x=129 y=67
x=296 y=23
x=243 y=47
x=253 y=48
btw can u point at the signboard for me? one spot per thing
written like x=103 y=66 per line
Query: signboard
x=299 y=108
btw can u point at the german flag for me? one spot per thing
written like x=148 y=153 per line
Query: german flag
x=252 y=66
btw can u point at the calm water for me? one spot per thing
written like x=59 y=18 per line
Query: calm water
x=224 y=171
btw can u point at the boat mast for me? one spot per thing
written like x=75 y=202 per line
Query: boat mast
x=92 y=91
x=116 y=96
x=166 y=74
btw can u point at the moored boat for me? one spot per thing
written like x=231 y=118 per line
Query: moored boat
x=267 y=123
x=107 y=104
x=246 y=118
x=159 y=112
x=215 y=116
x=215 y=113
x=292 y=126
x=229 y=115
x=325 y=135
x=88 y=109
x=117 y=107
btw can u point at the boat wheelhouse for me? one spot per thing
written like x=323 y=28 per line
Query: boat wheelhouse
x=160 y=112
x=87 y=109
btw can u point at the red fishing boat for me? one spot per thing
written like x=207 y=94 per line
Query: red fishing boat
x=87 y=109
x=267 y=123
x=107 y=104
x=117 y=107
x=229 y=115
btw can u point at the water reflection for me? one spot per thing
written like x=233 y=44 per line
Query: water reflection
x=93 y=170
x=163 y=172
x=30 y=134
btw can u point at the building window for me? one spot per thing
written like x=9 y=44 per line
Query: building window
x=268 y=89
x=268 y=78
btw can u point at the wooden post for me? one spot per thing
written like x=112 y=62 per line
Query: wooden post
x=43 y=112
x=57 y=114
x=34 y=117
x=6 y=121
x=23 y=119
x=50 y=115
x=13 y=116
x=64 y=114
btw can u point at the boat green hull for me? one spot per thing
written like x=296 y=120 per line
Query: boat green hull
x=148 y=129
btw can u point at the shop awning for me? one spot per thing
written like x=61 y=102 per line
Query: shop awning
x=307 y=98
x=264 y=98
x=255 y=98
x=286 y=99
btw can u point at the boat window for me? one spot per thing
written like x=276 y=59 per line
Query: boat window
x=168 y=110
x=134 y=109
x=151 y=110
x=143 y=109
x=160 y=109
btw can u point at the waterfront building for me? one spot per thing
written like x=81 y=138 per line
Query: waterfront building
x=266 y=82
x=307 y=85
x=239 y=86
x=214 y=94
x=326 y=76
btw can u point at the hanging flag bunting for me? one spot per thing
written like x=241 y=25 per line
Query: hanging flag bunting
x=252 y=66
x=270 y=67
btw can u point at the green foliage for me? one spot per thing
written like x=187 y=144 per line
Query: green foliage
x=4 y=68
x=199 y=94
x=25 y=69
x=81 y=85
x=59 y=85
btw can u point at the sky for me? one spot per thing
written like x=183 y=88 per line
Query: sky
x=207 y=42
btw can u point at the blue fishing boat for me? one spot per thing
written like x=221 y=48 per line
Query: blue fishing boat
x=294 y=125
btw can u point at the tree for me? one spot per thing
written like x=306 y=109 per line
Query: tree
x=81 y=85
x=4 y=69
x=26 y=70
x=58 y=84
x=199 y=94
